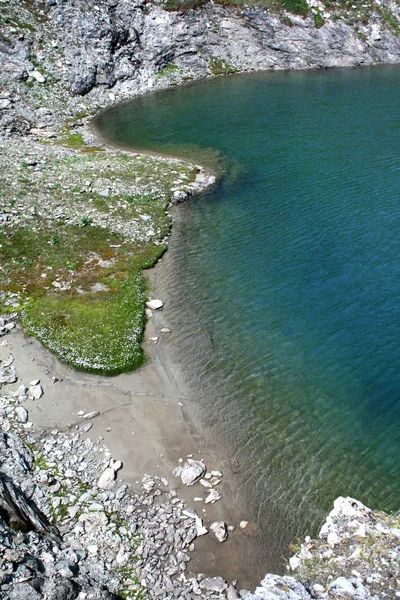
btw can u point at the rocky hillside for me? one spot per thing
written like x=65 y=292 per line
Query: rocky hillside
x=68 y=57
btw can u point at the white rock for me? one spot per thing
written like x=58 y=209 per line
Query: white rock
x=214 y=584
x=201 y=531
x=22 y=414
x=206 y=484
x=192 y=471
x=219 y=530
x=34 y=382
x=212 y=497
x=155 y=304
x=38 y=76
x=87 y=427
x=343 y=587
x=107 y=479
x=294 y=562
x=243 y=524
x=36 y=391
x=91 y=415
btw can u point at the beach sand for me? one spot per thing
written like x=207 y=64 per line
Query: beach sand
x=152 y=427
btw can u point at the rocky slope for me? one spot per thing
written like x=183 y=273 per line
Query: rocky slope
x=65 y=57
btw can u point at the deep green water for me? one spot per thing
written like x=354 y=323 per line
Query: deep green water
x=283 y=285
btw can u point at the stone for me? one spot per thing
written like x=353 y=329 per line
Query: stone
x=220 y=530
x=38 y=76
x=24 y=591
x=106 y=480
x=214 y=584
x=201 y=531
x=87 y=427
x=192 y=471
x=36 y=391
x=232 y=593
x=212 y=497
x=155 y=304
x=276 y=587
x=22 y=414
x=346 y=588
x=206 y=484
x=91 y=415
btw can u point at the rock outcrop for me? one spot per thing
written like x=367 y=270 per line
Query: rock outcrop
x=97 y=52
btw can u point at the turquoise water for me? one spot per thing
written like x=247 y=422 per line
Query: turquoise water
x=283 y=285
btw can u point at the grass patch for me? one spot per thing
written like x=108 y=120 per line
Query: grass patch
x=168 y=70
x=76 y=142
x=71 y=256
x=319 y=20
x=97 y=331
x=298 y=7
x=219 y=66
x=390 y=21
x=98 y=335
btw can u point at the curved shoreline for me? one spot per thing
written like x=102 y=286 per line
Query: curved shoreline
x=56 y=70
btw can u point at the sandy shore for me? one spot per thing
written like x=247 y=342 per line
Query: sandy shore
x=147 y=423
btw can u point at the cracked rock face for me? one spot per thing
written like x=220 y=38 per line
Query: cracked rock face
x=106 y=51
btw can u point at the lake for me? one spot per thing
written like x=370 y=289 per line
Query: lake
x=283 y=282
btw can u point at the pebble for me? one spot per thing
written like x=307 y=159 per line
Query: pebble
x=213 y=497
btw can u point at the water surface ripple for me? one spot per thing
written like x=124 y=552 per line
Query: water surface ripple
x=283 y=283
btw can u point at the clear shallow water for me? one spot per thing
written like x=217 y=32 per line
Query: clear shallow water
x=283 y=283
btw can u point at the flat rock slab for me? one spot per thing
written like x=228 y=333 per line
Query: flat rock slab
x=155 y=304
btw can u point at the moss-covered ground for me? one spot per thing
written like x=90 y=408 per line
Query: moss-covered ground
x=79 y=225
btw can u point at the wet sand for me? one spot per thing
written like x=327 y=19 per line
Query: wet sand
x=152 y=427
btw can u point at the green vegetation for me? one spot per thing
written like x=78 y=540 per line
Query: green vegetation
x=299 y=7
x=219 y=66
x=168 y=70
x=77 y=278
x=319 y=20
x=390 y=21
x=95 y=321
x=75 y=141
x=95 y=334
